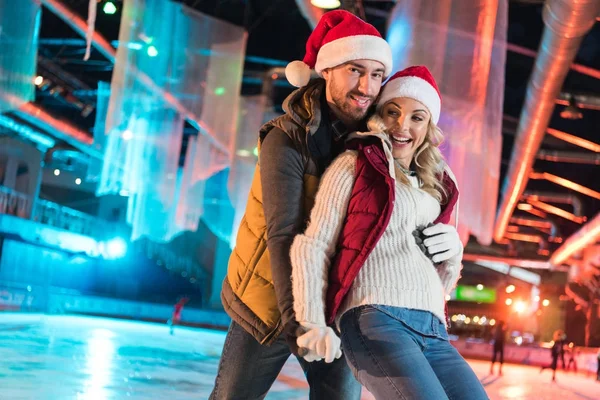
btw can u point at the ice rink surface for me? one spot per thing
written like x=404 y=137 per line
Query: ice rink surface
x=74 y=357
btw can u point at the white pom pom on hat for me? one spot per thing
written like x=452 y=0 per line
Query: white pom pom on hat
x=339 y=37
x=297 y=73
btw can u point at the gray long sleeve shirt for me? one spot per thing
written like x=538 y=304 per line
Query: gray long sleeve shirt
x=282 y=180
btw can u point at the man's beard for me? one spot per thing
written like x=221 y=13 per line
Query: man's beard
x=342 y=102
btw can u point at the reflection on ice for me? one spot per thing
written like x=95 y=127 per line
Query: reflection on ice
x=99 y=360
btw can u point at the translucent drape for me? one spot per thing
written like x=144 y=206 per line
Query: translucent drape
x=465 y=48
x=103 y=97
x=206 y=198
x=245 y=156
x=173 y=64
x=19 y=32
x=216 y=74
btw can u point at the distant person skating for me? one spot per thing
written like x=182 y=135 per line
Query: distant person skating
x=177 y=309
x=499 y=339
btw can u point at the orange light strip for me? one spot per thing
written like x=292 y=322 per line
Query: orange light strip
x=60 y=125
x=524 y=206
x=575 y=67
x=576 y=140
x=523 y=237
x=512 y=228
x=529 y=222
x=535 y=212
x=588 y=233
x=566 y=183
x=556 y=211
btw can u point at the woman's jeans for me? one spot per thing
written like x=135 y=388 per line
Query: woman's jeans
x=398 y=353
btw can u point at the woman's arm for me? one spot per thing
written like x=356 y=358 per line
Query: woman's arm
x=449 y=271
x=312 y=251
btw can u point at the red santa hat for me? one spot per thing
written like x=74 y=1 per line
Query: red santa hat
x=416 y=83
x=339 y=37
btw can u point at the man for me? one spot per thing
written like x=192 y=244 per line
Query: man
x=295 y=149
x=499 y=341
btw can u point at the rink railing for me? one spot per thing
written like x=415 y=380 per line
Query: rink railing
x=49 y=213
x=46 y=212
x=13 y=202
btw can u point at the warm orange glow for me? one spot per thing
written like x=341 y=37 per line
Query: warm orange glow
x=510 y=288
x=543 y=252
x=566 y=183
x=512 y=228
x=557 y=211
x=587 y=234
x=546 y=302
x=508 y=301
x=586 y=144
x=524 y=207
x=520 y=306
x=492 y=322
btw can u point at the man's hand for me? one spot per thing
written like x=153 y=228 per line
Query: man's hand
x=290 y=332
x=442 y=242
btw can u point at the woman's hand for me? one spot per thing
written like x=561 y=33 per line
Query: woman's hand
x=319 y=342
x=442 y=242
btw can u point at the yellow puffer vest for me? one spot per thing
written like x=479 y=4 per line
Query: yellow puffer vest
x=248 y=293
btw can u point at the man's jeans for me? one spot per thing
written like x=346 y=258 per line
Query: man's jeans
x=248 y=369
x=398 y=353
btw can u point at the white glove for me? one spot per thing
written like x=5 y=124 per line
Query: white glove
x=443 y=241
x=320 y=341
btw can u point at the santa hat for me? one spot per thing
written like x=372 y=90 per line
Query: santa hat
x=339 y=37
x=416 y=83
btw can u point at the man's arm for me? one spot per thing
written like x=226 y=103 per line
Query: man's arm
x=282 y=180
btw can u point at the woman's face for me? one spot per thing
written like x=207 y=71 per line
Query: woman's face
x=406 y=121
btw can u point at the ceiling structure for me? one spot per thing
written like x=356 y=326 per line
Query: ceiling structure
x=563 y=190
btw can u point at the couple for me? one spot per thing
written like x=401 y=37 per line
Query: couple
x=344 y=257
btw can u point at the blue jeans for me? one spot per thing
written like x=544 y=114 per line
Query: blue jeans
x=398 y=353
x=248 y=369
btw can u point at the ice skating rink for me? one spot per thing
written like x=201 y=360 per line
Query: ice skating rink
x=74 y=357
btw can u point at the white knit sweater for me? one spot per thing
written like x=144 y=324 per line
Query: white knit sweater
x=396 y=273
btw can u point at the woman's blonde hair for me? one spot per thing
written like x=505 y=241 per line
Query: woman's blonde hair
x=428 y=163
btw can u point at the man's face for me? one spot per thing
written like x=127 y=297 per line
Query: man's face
x=353 y=87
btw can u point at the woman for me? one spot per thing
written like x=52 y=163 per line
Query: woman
x=384 y=291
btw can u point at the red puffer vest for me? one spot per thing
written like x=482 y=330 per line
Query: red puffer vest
x=369 y=211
